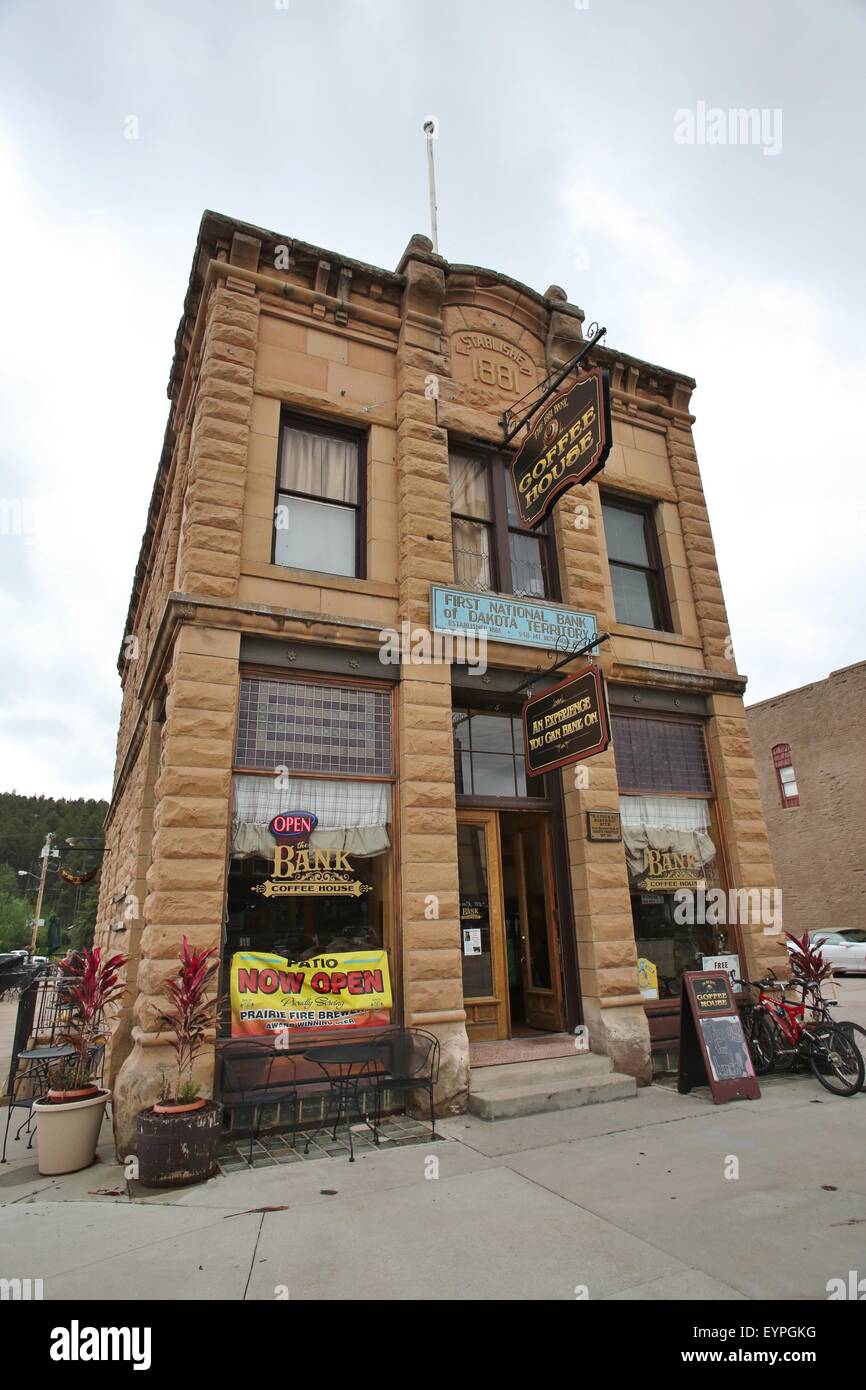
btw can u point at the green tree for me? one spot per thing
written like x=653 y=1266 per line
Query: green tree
x=24 y=823
x=15 y=912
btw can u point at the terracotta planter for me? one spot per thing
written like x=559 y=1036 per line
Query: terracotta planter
x=180 y=1109
x=178 y=1148
x=66 y=1134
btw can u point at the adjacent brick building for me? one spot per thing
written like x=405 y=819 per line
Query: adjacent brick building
x=334 y=449
x=810 y=753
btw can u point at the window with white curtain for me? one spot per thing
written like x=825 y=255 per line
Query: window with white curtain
x=677 y=825
x=317 y=519
x=352 y=816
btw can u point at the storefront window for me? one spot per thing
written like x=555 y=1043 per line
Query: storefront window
x=671 y=851
x=331 y=890
x=354 y=829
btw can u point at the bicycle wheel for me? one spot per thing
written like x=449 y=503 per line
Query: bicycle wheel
x=857 y=1036
x=835 y=1059
x=761 y=1037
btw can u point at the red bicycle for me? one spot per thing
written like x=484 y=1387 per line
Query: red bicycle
x=781 y=1036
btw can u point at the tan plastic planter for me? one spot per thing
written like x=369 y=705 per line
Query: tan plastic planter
x=66 y=1134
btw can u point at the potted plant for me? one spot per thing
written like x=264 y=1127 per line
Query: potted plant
x=69 y=1117
x=807 y=961
x=179 y=1136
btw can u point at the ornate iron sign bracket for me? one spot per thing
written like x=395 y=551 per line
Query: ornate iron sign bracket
x=507 y=419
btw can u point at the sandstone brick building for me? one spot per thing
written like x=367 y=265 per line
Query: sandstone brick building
x=810 y=754
x=334 y=449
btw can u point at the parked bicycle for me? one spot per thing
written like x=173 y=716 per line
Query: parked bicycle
x=781 y=1036
x=821 y=1008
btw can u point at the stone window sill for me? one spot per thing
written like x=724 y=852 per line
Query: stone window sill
x=321 y=579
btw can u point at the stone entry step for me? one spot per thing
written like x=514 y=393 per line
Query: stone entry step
x=556 y=1083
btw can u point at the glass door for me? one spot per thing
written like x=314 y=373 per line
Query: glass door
x=539 y=934
x=482 y=925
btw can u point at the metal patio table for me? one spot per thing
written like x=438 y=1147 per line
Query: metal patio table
x=44 y=1055
x=39 y=1060
x=346 y=1067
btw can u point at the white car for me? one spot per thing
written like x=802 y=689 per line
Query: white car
x=844 y=949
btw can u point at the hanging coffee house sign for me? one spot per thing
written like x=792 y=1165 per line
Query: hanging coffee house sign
x=566 y=724
x=299 y=871
x=568 y=444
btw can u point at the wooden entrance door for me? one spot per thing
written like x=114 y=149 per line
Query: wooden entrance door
x=482 y=926
x=539 y=933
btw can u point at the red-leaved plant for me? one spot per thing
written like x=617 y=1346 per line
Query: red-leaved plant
x=807 y=962
x=94 y=988
x=191 y=1014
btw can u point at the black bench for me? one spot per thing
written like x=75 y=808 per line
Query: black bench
x=255 y=1072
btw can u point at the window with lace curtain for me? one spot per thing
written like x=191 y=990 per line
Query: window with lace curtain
x=493 y=552
x=670 y=842
x=319 y=512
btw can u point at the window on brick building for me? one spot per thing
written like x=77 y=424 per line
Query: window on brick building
x=785 y=775
x=318 y=516
x=488 y=755
x=670 y=838
x=493 y=552
x=322 y=747
x=639 y=595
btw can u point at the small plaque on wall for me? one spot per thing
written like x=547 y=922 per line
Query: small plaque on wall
x=603 y=825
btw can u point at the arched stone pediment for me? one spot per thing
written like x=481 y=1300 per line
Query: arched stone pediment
x=495 y=339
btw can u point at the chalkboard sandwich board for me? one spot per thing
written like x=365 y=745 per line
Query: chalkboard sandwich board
x=713 y=1047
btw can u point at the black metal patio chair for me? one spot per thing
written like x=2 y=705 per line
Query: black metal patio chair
x=254 y=1075
x=410 y=1062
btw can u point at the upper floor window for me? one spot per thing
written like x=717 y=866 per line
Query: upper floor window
x=318 y=517
x=787 y=777
x=635 y=565
x=492 y=551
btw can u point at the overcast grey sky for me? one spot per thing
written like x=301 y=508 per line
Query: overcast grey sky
x=741 y=264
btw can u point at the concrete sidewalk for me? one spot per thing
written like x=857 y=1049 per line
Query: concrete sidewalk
x=627 y=1200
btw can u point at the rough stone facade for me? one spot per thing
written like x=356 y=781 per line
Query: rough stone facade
x=270 y=323
x=818 y=846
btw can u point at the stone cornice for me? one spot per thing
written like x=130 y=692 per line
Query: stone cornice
x=655 y=674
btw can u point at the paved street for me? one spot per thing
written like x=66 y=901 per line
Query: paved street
x=627 y=1200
